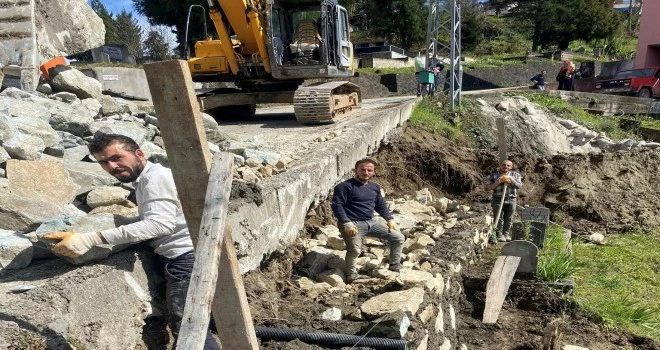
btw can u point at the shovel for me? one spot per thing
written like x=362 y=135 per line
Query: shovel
x=499 y=213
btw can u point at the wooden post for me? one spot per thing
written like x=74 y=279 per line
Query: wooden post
x=498 y=285
x=183 y=133
x=501 y=139
x=195 y=322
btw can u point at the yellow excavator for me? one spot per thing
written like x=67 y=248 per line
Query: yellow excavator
x=268 y=48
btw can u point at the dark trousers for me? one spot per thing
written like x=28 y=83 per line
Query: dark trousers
x=177 y=274
x=508 y=209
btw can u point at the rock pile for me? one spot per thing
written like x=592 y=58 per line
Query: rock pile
x=48 y=180
x=533 y=130
x=424 y=293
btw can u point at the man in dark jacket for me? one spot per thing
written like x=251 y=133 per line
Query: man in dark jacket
x=539 y=81
x=353 y=203
x=495 y=182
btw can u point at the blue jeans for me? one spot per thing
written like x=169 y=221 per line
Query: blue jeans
x=177 y=275
x=376 y=229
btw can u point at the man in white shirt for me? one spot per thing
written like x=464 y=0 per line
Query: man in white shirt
x=160 y=216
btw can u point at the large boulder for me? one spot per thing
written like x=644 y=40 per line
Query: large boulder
x=65 y=27
x=75 y=81
x=43 y=180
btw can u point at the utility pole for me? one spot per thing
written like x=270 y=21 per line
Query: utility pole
x=445 y=17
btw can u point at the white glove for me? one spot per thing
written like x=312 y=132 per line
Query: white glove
x=73 y=245
x=350 y=229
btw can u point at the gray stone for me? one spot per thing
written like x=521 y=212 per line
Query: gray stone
x=573 y=347
x=19 y=108
x=81 y=224
x=77 y=153
x=134 y=130
x=125 y=282
x=23 y=146
x=93 y=105
x=439 y=326
x=452 y=317
x=334 y=277
x=418 y=242
x=253 y=162
x=426 y=314
x=69 y=140
x=625 y=145
x=332 y=314
x=56 y=151
x=503 y=106
x=265 y=157
x=15 y=250
x=64 y=96
x=73 y=80
x=249 y=175
x=88 y=175
x=151 y=120
x=45 y=88
x=22 y=213
x=110 y=107
x=393 y=326
x=528 y=253
x=416 y=278
x=312 y=288
x=209 y=122
x=239 y=160
x=568 y=124
x=597 y=238
x=336 y=243
x=154 y=153
x=41 y=180
x=387 y=303
x=4 y=156
x=37 y=127
x=324 y=232
x=117 y=210
x=107 y=195
x=652 y=145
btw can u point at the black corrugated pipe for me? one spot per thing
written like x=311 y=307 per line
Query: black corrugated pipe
x=330 y=339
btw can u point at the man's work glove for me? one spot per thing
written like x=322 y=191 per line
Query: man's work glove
x=505 y=179
x=350 y=229
x=391 y=226
x=73 y=245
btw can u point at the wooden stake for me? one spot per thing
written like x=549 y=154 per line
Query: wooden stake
x=195 y=322
x=501 y=139
x=187 y=149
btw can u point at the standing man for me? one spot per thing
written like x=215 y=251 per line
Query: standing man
x=353 y=203
x=495 y=182
x=160 y=216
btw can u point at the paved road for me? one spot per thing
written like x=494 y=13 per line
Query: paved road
x=275 y=128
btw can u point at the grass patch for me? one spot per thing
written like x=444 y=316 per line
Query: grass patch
x=431 y=115
x=555 y=261
x=620 y=282
x=563 y=109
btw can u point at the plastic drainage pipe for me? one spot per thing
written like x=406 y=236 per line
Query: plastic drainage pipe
x=330 y=339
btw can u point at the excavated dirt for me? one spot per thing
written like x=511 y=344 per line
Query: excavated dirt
x=585 y=192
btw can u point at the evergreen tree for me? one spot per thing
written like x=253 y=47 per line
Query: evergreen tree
x=129 y=33
x=401 y=22
x=108 y=21
x=156 y=46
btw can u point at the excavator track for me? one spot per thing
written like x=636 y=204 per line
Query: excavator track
x=326 y=102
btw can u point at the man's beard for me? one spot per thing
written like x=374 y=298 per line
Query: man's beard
x=134 y=173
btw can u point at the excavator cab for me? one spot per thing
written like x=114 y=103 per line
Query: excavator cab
x=268 y=48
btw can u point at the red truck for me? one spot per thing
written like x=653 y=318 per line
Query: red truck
x=644 y=82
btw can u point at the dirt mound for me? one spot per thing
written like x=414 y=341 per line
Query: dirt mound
x=614 y=191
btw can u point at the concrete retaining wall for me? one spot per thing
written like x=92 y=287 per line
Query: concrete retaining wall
x=272 y=226
x=375 y=62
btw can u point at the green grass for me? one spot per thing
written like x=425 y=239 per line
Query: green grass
x=432 y=117
x=555 y=261
x=620 y=282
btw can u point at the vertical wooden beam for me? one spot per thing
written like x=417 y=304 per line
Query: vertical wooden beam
x=183 y=133
x=195 y=322
x=501 y=139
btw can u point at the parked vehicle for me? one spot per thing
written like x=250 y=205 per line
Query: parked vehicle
x=644 y=82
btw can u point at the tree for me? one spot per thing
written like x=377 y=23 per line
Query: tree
x=399 y=21
x=129 y=33
x=558 y=22
x=108 y=21
x=173 y=13
x=156 y=46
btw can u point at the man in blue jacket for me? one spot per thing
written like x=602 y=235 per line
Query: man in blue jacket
x=353 y=203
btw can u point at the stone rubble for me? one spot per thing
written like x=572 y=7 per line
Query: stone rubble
x=47 y=173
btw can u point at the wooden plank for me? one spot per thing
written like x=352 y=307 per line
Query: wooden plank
x=185 y=142
x=498 y=285
x=501 y=139
x=195 y=322
x=183 y=134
